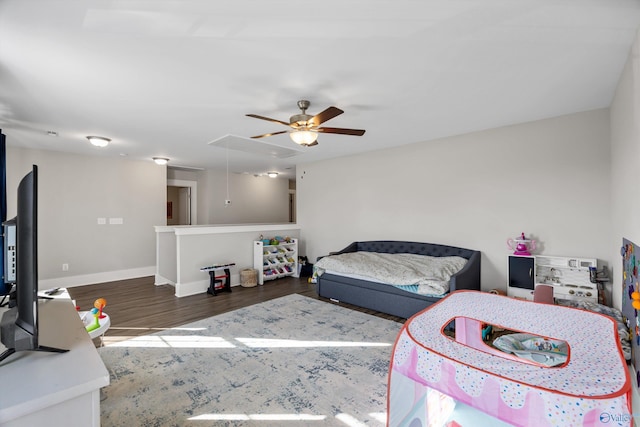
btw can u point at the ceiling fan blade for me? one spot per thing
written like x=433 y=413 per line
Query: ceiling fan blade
x=356 y=132
x=270 y=134
x=325 y=115
x=255 y=116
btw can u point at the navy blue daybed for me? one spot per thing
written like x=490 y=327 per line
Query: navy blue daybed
x=391 y=300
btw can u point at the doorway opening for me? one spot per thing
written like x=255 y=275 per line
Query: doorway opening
x=292 y=206
x=181 y=202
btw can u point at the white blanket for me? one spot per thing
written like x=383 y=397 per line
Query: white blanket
x=430 y=274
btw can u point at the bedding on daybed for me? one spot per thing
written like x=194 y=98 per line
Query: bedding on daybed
x=614 y=313
x=421 y=274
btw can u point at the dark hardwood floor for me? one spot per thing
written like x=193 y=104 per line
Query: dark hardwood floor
x=138 y=307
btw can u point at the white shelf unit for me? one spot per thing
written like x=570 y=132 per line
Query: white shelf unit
x=275 y=261
x=569 y=277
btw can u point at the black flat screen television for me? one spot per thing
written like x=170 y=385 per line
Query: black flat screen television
x=9 y=265
x=19 y=325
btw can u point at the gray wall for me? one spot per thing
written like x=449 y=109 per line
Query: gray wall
x=253 y=199
x=625 y=156
x=549 y=179
x=74 y=191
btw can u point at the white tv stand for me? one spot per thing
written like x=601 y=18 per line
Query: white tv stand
x=54 y=389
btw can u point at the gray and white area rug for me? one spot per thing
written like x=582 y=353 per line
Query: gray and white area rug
x=291 y=361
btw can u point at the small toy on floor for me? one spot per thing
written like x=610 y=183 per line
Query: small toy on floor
x=96 y=322
x=486 y=332
x=306 y=267
x=100 y=304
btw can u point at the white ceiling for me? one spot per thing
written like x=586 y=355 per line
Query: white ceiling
x=165 y=78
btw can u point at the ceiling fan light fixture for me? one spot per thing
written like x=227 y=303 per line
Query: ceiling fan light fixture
x=305 y=128
x=99 y=141
x=272 y=174
x=304 y=137
x=161 y=160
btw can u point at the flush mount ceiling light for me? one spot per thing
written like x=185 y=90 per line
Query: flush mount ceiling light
x=304 y=137
x=161 y=160
x=99 y=141
x=272 y=174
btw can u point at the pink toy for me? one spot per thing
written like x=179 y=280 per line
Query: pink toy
x=522 y=245
x=100 y=304
x=593 y=389
x=96 y=320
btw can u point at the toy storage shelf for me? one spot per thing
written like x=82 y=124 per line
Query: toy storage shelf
x=275 y=261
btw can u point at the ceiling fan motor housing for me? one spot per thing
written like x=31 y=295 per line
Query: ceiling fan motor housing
x=300 y=120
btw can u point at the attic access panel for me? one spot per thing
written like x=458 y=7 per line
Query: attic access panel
x=252 y=146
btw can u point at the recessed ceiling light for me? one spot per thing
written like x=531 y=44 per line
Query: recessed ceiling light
x=161 y=160
x=272 y=174
x=99 y=141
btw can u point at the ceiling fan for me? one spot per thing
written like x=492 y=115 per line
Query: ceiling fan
x=305 y=127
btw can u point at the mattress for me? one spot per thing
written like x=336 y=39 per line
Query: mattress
x=414 y=289
x=422 y=274
x=591 y=389
x=353 y=276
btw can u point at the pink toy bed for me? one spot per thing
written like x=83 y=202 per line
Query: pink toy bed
x=591 y=389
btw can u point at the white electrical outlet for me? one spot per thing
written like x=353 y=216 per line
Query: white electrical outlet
x=65 y=267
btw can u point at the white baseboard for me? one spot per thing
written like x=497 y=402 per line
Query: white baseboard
x=191 y=288
x=160 y=280
x=194 y=288
x=182 y=289
x=90 y=279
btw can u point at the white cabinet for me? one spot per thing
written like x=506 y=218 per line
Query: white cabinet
x=521 y=276
x=275 y=261
x=54 y=389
